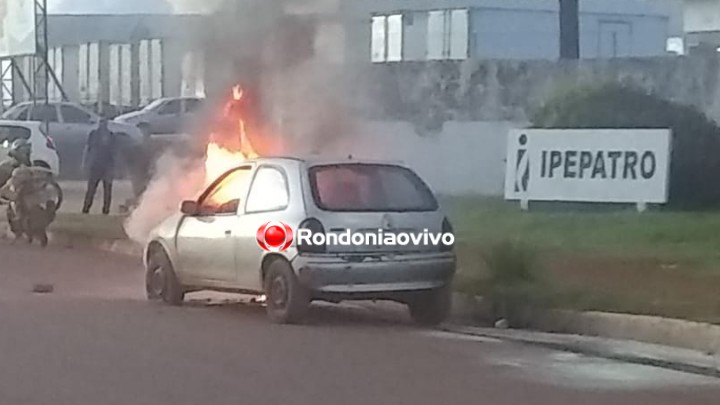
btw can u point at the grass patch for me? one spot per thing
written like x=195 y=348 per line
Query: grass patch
x=97 y=226
x=674 y=236
x=656 y=263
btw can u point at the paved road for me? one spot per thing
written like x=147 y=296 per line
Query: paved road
x=96 y=341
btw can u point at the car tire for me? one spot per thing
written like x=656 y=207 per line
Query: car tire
x=287 y=300
x=161 y=283
x=432 y=307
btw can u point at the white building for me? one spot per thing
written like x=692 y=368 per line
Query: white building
x=702 y=24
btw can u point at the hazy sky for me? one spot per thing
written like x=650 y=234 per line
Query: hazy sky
x=129 y=6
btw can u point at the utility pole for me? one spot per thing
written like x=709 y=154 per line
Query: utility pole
x=569 y=29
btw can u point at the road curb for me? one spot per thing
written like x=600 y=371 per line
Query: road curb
x=691 y=335
x=672 y=358
x=677 y=333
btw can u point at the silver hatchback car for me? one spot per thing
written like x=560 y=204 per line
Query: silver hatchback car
x=298 y=230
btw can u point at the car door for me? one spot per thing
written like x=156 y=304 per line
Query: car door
x=267 y=201
x=191 y=106
x=205 y=242
x=168 y=117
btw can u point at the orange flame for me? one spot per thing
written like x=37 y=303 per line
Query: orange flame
x=220 y=159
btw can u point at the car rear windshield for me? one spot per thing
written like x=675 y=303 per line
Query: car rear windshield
x=369 y=188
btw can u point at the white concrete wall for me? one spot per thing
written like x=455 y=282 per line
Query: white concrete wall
x=466 y=158
x=702 y=15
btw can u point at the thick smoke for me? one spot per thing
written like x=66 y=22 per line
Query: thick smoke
x=300 y=96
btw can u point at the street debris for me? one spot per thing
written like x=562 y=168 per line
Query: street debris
x=41 y=288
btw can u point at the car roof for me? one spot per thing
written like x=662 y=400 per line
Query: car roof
x=179 y=98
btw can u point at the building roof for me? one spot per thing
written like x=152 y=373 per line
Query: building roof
x=121 y=28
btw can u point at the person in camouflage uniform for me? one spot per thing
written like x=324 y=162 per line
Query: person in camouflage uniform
x=18 y=155
x=31 y=205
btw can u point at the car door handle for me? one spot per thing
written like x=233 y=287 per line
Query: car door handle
x=228 y=233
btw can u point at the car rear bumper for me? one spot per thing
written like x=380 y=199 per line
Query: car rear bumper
x=374 y=274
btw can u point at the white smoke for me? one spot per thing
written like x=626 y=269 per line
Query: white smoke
x=176 y=178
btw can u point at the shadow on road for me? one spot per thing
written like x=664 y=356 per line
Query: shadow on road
x=360 y=314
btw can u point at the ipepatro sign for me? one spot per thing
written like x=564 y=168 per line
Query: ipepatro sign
x=588 y=165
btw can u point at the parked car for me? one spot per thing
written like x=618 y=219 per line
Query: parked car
x=108 y=110
x=43 y=152
x=164 y=116
x=213 y=242
x=69 y=125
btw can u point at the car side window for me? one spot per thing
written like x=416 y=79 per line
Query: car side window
x=192 y=105
x=19 y=113
x=9 y=134
x=75 y=115
x=224 y=196
x=171 y=107
x=44 y=113
x=23 y=114
x=269 y=191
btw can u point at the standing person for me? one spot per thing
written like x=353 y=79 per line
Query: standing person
x=100 y=154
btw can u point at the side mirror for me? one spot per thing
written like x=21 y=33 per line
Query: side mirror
x=189 y=207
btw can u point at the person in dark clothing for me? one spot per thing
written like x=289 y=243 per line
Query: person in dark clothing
x=100 y=153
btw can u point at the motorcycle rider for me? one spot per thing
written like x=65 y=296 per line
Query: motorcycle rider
x=18 y=155
x=31 y=207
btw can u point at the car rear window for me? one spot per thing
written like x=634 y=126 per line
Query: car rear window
x=369 y=188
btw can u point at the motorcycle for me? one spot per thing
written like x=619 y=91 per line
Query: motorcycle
x=33 y=197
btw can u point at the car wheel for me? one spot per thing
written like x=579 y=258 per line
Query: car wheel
x=432 y=307
x=287 y=299
x=161 y=282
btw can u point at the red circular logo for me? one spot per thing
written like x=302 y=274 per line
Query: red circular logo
x=274 y=236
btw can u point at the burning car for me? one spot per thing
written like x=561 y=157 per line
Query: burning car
x=302 y=230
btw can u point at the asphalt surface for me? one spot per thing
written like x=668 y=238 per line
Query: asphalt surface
x=95 y=340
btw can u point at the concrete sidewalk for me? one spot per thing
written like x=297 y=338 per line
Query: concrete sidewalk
x=684 y=360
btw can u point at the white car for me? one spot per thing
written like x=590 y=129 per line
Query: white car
x=164 y=116
x=43 y=152
x=69 y=125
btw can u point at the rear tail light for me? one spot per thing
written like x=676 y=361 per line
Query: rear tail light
x=49 y=142
x=313 y=226
x=447 y=228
